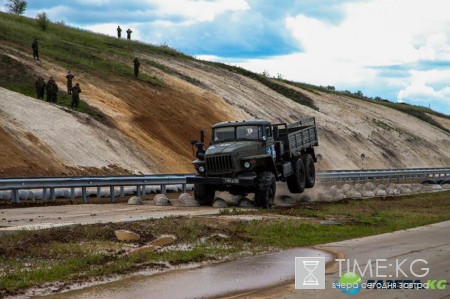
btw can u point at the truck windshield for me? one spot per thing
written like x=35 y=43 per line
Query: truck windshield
x=239 y=132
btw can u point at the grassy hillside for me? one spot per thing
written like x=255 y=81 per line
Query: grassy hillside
x=83 y=50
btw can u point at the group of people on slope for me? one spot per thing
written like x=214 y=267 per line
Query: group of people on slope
x=52 y=89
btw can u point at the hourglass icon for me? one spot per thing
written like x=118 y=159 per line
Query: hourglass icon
x=310 y=279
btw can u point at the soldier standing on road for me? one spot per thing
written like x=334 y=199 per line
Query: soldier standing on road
x=35 y=48
x=129 y=33
x=76 y=90
x=137 y=64
x=69 y=82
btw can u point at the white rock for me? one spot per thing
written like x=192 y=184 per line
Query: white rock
x=23 y=194
x=135 y=200
x=436 y=187
x=220 y=203
x=446 y=186
x=184 y=197
x=353 y=194
x=162 y=200
x=245 y=202
x=368 y=194
x=381 y=192
x=369 y=186
x=339 y=196
x=31 y=195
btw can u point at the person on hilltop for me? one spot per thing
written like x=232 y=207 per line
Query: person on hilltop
x=76 y=90
x=69 y=77
x=129 y=33
x=35 y=48
x=137 y=64
x=119 y=31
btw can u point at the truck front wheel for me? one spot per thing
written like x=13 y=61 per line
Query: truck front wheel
x=265 y=189
x=296 y=182
x=204 y=194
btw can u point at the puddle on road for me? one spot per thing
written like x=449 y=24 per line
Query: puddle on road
x=214 y=280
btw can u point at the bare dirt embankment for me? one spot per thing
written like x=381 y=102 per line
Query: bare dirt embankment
x=149 y=126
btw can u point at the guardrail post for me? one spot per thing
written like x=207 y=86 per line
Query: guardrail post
x=122 y=191
x=84 y=194
x=52 y=195
x=72 y=193
x=183 y=188
x=112 y=194
x=138 y=191
x=15 y=196
x=163 y=189
x=44 y=194
x=99 y=192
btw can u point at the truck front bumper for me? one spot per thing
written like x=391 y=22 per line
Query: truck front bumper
x=239 y=181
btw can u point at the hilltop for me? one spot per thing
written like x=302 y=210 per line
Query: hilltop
x=144 y=125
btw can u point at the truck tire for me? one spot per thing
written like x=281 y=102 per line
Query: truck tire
x=204 y=194
x=296 y=182
x=310 y=171
x=266 y=186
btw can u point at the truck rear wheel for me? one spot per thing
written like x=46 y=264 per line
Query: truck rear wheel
x=296 y=182
x=310 y=171
x=265 y=189
x=204 y=194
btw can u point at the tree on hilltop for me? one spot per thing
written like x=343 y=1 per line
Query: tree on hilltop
x=17 y=7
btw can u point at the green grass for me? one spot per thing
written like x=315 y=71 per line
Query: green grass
x=91 y=251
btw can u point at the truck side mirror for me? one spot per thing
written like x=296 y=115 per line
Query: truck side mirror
x=193 y=141
x=202 y=136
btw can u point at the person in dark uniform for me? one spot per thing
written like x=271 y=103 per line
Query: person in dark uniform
x=69 y=77
x=35 y=48
x=137 y=64
x=40 y=87
x=119 y=31
x=129 y=33
x=76 y=90
x=52 y=91
x=37 y=86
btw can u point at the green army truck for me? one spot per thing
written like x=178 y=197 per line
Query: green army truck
x=251 y=156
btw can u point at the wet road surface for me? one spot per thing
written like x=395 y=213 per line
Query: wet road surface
x=211 y=281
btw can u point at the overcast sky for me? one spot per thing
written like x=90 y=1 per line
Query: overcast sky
x=396 y=49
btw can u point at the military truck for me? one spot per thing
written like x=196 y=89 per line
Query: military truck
x=251 y=156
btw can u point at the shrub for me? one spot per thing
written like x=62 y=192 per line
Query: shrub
x=43 y=20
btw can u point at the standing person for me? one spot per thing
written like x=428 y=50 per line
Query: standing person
x=49 y=88
x=52 y=91
x=35 y=48
x=69 y=82
x=42 y=86
x=137 y=64
x=37 y=86
x=129 y=33
x=76 y=90
x=119 y=31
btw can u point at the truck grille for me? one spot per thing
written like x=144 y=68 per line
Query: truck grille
x=219 y=164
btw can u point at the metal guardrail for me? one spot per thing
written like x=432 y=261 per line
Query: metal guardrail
x=390 y=175
x=50 y=184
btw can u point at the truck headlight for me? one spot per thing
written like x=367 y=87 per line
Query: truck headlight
x=247 y=165
x=201 y=169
